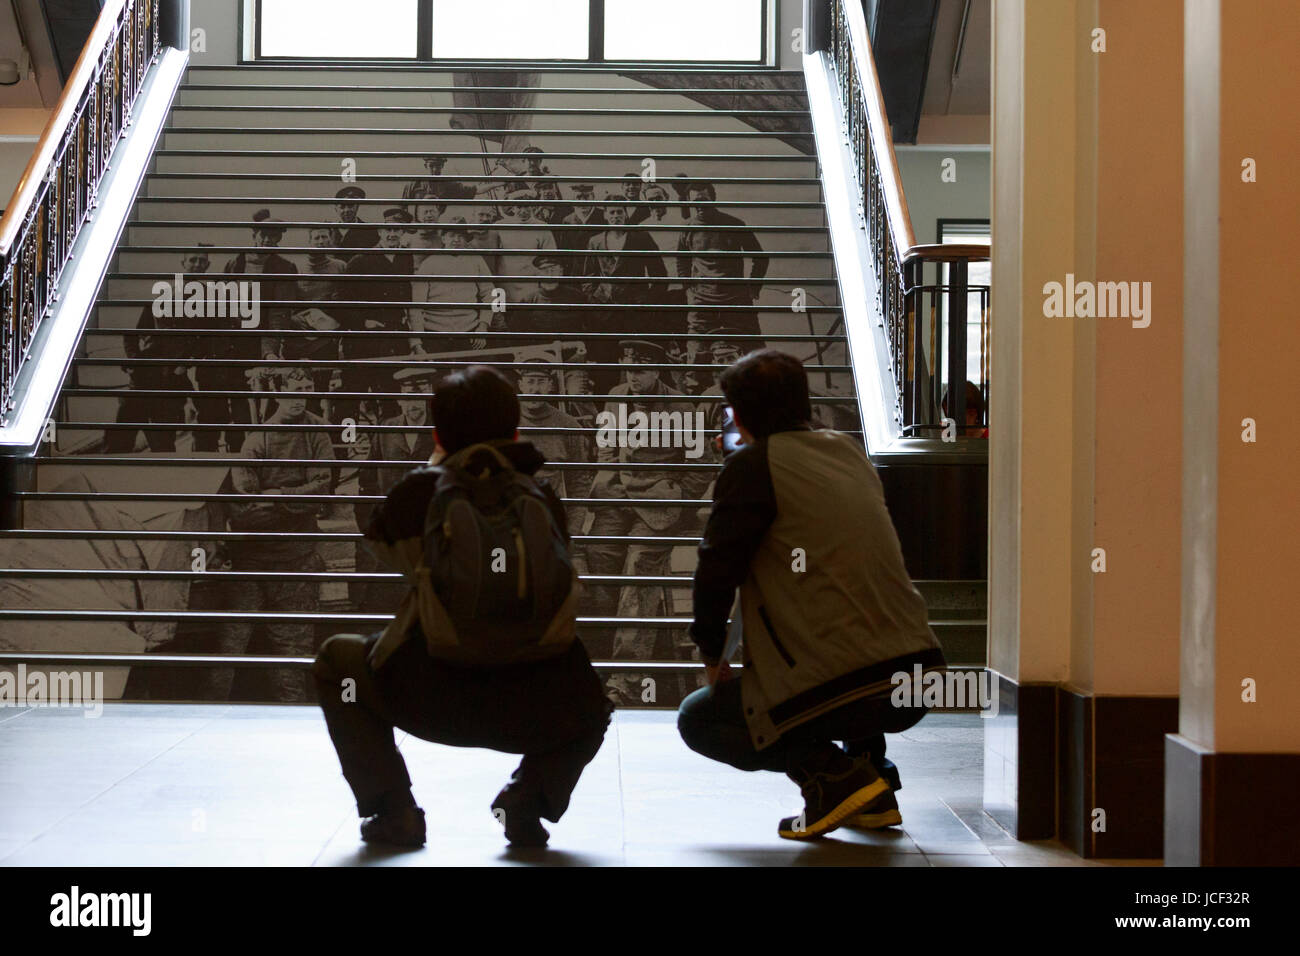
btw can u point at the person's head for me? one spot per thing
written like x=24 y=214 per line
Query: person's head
x=615 y=214
x=393 y=230
x=292 y=405
x=550 y=269
x=974 y=404
x=724 y=351
x=700 y=193
x=535 y=380
x=455 y=238
x=477 y=404
x=347 y=205
x=430 y=211
x=415 y=410
x=320 y=237
x=434 y=164
x=267 y=231
x=654 y=193
x=582 y=196
x=196 y=261
x=641 y=352
x=631 y=186
x=768 y=392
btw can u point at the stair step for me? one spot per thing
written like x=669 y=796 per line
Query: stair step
x=274 y=135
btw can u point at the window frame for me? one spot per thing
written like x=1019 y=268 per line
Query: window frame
x=768 y=59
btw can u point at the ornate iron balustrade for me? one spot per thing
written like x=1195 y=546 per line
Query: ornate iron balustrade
x=58 y=192
x=926 y=363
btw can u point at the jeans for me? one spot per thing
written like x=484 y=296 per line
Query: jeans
x=712 y=723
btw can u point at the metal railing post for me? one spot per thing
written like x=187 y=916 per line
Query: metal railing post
x=957 y=278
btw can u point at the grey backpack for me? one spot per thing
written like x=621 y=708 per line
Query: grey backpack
x=497 y=585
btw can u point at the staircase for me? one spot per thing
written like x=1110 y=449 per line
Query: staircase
x=182 y=512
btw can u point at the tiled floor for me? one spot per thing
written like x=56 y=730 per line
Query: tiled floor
x=248 y=785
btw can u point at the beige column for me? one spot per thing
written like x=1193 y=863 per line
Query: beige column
x=1232 y=767
x=1086 y=443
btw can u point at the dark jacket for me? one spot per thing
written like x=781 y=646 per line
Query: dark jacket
x=391 y=318
x=392 y=446
x=272 y=316
x=799 y=524
x=695 y=260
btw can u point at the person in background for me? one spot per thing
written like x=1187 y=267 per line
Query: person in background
x=352 y=234
x=383 y=287
x=162 y=410
x=278 y=486
x=453 y=296
x=712 y=290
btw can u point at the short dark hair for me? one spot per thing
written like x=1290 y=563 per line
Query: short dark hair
x=701 y=185
x=768 y=390
x=477 y=404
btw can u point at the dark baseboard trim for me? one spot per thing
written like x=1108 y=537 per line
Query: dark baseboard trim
x=1052 y=756
x=1229 y=809
x=1110 y=753
x=1020 y=759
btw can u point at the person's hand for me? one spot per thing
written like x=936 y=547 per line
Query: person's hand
x=478 y=344
x=374 y=324
x=717 y=673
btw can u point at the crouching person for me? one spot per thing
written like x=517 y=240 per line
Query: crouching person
x=829 y=613
x=482 y=651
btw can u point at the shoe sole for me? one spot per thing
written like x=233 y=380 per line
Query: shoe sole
x=845 y=809
x=409 y=842
x=875 y=821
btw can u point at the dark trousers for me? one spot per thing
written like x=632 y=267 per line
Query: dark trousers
x=219 y=410
x=712 y=723
x=531 y=710
x=148 y=410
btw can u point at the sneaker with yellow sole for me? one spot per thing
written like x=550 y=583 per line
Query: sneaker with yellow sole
x=830 y=799
x=880 y=813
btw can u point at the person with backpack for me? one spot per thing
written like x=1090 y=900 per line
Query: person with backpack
x=483 y=650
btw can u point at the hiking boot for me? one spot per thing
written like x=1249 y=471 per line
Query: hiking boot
x=879 y=813
x=403 y=827
x=831 y=798
x=523 y=823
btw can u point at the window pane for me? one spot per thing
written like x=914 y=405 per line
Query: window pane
x=510 y=29
x=710 y=30
x=339 y=28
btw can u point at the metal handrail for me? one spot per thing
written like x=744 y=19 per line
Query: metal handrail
x=58 y=190
x=838 y=27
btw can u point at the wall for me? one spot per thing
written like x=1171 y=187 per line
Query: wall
x=19 y=131
x=929 y=198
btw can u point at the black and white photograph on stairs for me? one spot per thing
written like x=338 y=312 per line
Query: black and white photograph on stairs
x=593 y=403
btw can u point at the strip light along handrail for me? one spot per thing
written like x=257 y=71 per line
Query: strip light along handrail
x=58 y=190
x=898 y=260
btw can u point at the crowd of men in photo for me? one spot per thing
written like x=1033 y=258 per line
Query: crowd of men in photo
x=562 y=280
